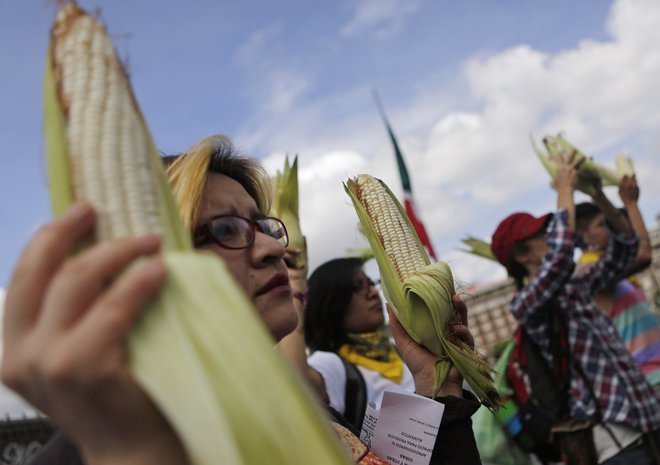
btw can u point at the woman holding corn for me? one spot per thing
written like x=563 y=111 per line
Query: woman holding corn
x=219 y=157
x=67 y=317
x=344 y=324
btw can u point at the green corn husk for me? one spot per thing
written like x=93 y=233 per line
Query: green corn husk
x=363 y=253
x=624 y=166
x=200 y=350
x=285 y=205
x=478 y=247
x=587 y=171
x=419 y=292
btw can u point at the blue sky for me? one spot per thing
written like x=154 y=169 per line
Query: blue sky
x=464 y=84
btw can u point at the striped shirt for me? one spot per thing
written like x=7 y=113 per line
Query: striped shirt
x=639 y=327
x=622 y=393
x=637 y=323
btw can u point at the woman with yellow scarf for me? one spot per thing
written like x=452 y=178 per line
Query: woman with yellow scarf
x=344 y=327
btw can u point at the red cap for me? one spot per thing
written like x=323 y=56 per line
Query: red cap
x=514 y=228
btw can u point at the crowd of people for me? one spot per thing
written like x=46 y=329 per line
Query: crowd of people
x=57 y=303
x=48 y=291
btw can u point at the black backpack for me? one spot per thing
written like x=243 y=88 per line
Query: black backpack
x=355 y=396
x=542 y=401
x=540 y=393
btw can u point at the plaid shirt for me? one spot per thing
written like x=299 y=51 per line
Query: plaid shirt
x=622 y=392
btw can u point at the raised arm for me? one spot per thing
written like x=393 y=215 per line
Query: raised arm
x=564 y=184
x=629 y=193
x=621 y=257
x=614 y=217
x=547 y=274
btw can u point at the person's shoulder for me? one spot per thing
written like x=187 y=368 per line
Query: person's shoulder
x=321 y=357
x=332 y=370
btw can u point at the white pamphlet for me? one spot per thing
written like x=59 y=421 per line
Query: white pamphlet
x=369 y=424
x=406 y=428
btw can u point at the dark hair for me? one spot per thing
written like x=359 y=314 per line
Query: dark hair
x=330 y=290
x=514 y=268
x=169 y=158
x=585 y=212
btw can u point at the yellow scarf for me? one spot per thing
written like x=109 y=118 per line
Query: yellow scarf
x=592 y=256
x=375 y=352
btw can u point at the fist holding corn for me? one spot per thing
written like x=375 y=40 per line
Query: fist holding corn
x=589 y=172
x=419 y=292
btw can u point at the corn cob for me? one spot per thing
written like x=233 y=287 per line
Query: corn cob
x=588 y=170
x=478 y=247
x=285 y=206
x=200 y=350
x=418 y=291
x=624 y=165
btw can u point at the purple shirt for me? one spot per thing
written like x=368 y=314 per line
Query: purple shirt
x=622 y=392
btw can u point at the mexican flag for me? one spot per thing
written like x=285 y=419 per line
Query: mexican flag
x=408 y=201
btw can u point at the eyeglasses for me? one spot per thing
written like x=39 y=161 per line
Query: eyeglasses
x=364 y=288
x=235 y=232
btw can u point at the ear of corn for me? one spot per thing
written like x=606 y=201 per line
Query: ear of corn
x=624 y=165
x=418 y=291
x=77 y=100
x=285 y=205
x=200 y=350
x=587 y=171
x=478 y=247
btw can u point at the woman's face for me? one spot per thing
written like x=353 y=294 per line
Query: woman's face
x=364 y=313
x=596 y=234
x=259 y=269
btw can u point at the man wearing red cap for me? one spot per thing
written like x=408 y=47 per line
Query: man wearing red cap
x=605 y=385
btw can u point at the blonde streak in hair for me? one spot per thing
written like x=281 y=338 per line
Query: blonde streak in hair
x=265 y=194
x=188 y=177
x=256 y=172
x=260 y=181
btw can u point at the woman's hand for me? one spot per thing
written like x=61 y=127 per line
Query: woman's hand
x=566 y=175
x=628 y=190
x=65 y=323
x=564 y=183
x=421 y=361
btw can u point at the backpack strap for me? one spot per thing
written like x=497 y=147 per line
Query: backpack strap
x=561 y=358
x=355 y=397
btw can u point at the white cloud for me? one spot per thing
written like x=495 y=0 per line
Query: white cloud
x=379 y=18
x=274 y=87
x=472 y=165
x=254 y=51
